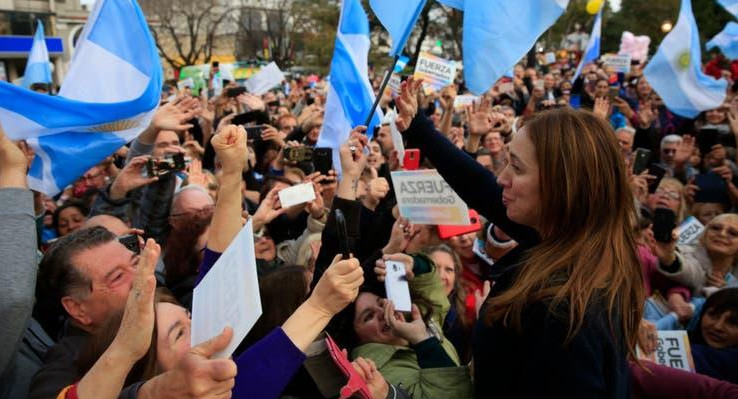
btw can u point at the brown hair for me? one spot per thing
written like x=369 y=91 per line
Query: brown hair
x=588 y=251
x=145 y=368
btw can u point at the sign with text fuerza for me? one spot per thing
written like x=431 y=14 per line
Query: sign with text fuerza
x=425 y=198
x=436 y=72
x=672 y=350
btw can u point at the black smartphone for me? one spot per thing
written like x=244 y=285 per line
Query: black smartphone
x=170 y=163
x=706 y=139
x=130 y=241
x=709 y=184
x=234 y=92
x=342 y=234
x=640 y=160
x=664 y=222
x=254 y=132
x=323 y=159
x=298 y=154
x=242 y=119
x=658 y=172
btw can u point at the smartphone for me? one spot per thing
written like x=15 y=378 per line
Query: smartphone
x=242 y=119
x=323 y=159
x=658 y=172
x=170 y=163
x=448 y=231
x=130 y=241
x=342 y=234
x=396 y=286
x=613 y=92
x=298 y=154
x=664 y=222
x=412 y=159
x=640 y=160
x=234 y=92
x=254 y=132
x=706 y=139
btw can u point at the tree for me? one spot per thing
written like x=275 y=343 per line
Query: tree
x=187 y=31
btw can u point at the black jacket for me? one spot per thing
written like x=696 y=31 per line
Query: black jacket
x=536 y=362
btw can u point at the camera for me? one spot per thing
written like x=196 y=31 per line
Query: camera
x=130 y=241
x=298 y=154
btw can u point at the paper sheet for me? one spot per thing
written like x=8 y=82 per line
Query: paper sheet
x=228 y=295
x=267 y=78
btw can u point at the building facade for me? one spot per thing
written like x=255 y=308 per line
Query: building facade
x=63 y=22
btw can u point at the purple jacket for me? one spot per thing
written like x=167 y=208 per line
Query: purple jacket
x=266 y=367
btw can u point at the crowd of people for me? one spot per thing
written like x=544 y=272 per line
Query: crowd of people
x=560 y=292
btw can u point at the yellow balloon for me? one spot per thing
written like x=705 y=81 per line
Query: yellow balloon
x=593 y=6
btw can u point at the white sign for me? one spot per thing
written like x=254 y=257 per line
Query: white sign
x=689 y=230
x=436 y=72
x=396 y=136
x=268 y=77
x=182 y=84
x=464 y=101
x=619 y=63
x=296 y=195
x=228 y=295
x=394 y=85
x=425 y=198
x=550 y=58
x=672 y=350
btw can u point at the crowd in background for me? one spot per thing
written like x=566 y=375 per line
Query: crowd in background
x=71 y=325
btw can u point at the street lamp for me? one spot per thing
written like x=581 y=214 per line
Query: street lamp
x=666 y=26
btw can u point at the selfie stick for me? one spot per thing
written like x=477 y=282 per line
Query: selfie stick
x=386 y=79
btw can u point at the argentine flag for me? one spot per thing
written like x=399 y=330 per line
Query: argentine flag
x=108 y=97
x=727 y=41
x=675 y=74
x=593 y=47
x=38 y=69
x=498 y=33
x=350 y=95
x=399 y=18
x=730 y=6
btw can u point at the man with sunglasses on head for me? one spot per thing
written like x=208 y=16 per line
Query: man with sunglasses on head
x=675 y=153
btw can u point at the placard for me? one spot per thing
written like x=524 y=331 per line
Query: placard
x=267 y=78
x=296 y=195
x=550 y=58
x=619 y=63
x=436 y=72
x=689 y=231
x=424 y=197
x=465 y=100
x=228 y=295
x=672 y=350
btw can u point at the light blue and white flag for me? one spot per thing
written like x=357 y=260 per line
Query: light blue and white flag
x=350 y=94
x=730 y=6
x=399 y=18
x=401 y=63
x=498 y=33
x=727 y=41
x=107 y=99
x=593 y=47
x=38 y=68
x=675 y=71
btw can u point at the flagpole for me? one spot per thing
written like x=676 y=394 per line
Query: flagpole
x=383 y=86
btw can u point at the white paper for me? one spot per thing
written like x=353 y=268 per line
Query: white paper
x=396 y=136
x=464 y=100
x=296 y=195
x=550 y=58
x=425 y=198
x=396 y=285
x=267 y=78
x=228 y=295
x=689 y=231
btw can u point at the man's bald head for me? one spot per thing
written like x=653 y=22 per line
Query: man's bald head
x=111 y=223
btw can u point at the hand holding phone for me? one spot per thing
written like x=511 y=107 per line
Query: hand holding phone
x=664 y=223
x=396 y=285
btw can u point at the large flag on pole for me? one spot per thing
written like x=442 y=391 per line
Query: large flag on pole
x=727 y=41
x=399 y=18
x=38 y=69
x=730 y=5
x=108 y=97
x=350 y=95
x=593 y=47
x=498 y=33
x=675 y=71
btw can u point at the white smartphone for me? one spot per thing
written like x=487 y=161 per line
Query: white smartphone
x=395 y=283
x=296 y=195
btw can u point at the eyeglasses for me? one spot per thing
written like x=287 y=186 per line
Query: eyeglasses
x=669 y=151
x=673 y=195
x=198 y=212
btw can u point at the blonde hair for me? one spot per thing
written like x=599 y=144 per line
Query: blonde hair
x=670 y=182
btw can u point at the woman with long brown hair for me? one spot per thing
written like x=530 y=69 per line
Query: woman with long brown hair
x=563 y=314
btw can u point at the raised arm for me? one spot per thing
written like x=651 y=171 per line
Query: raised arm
x=475 y=184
